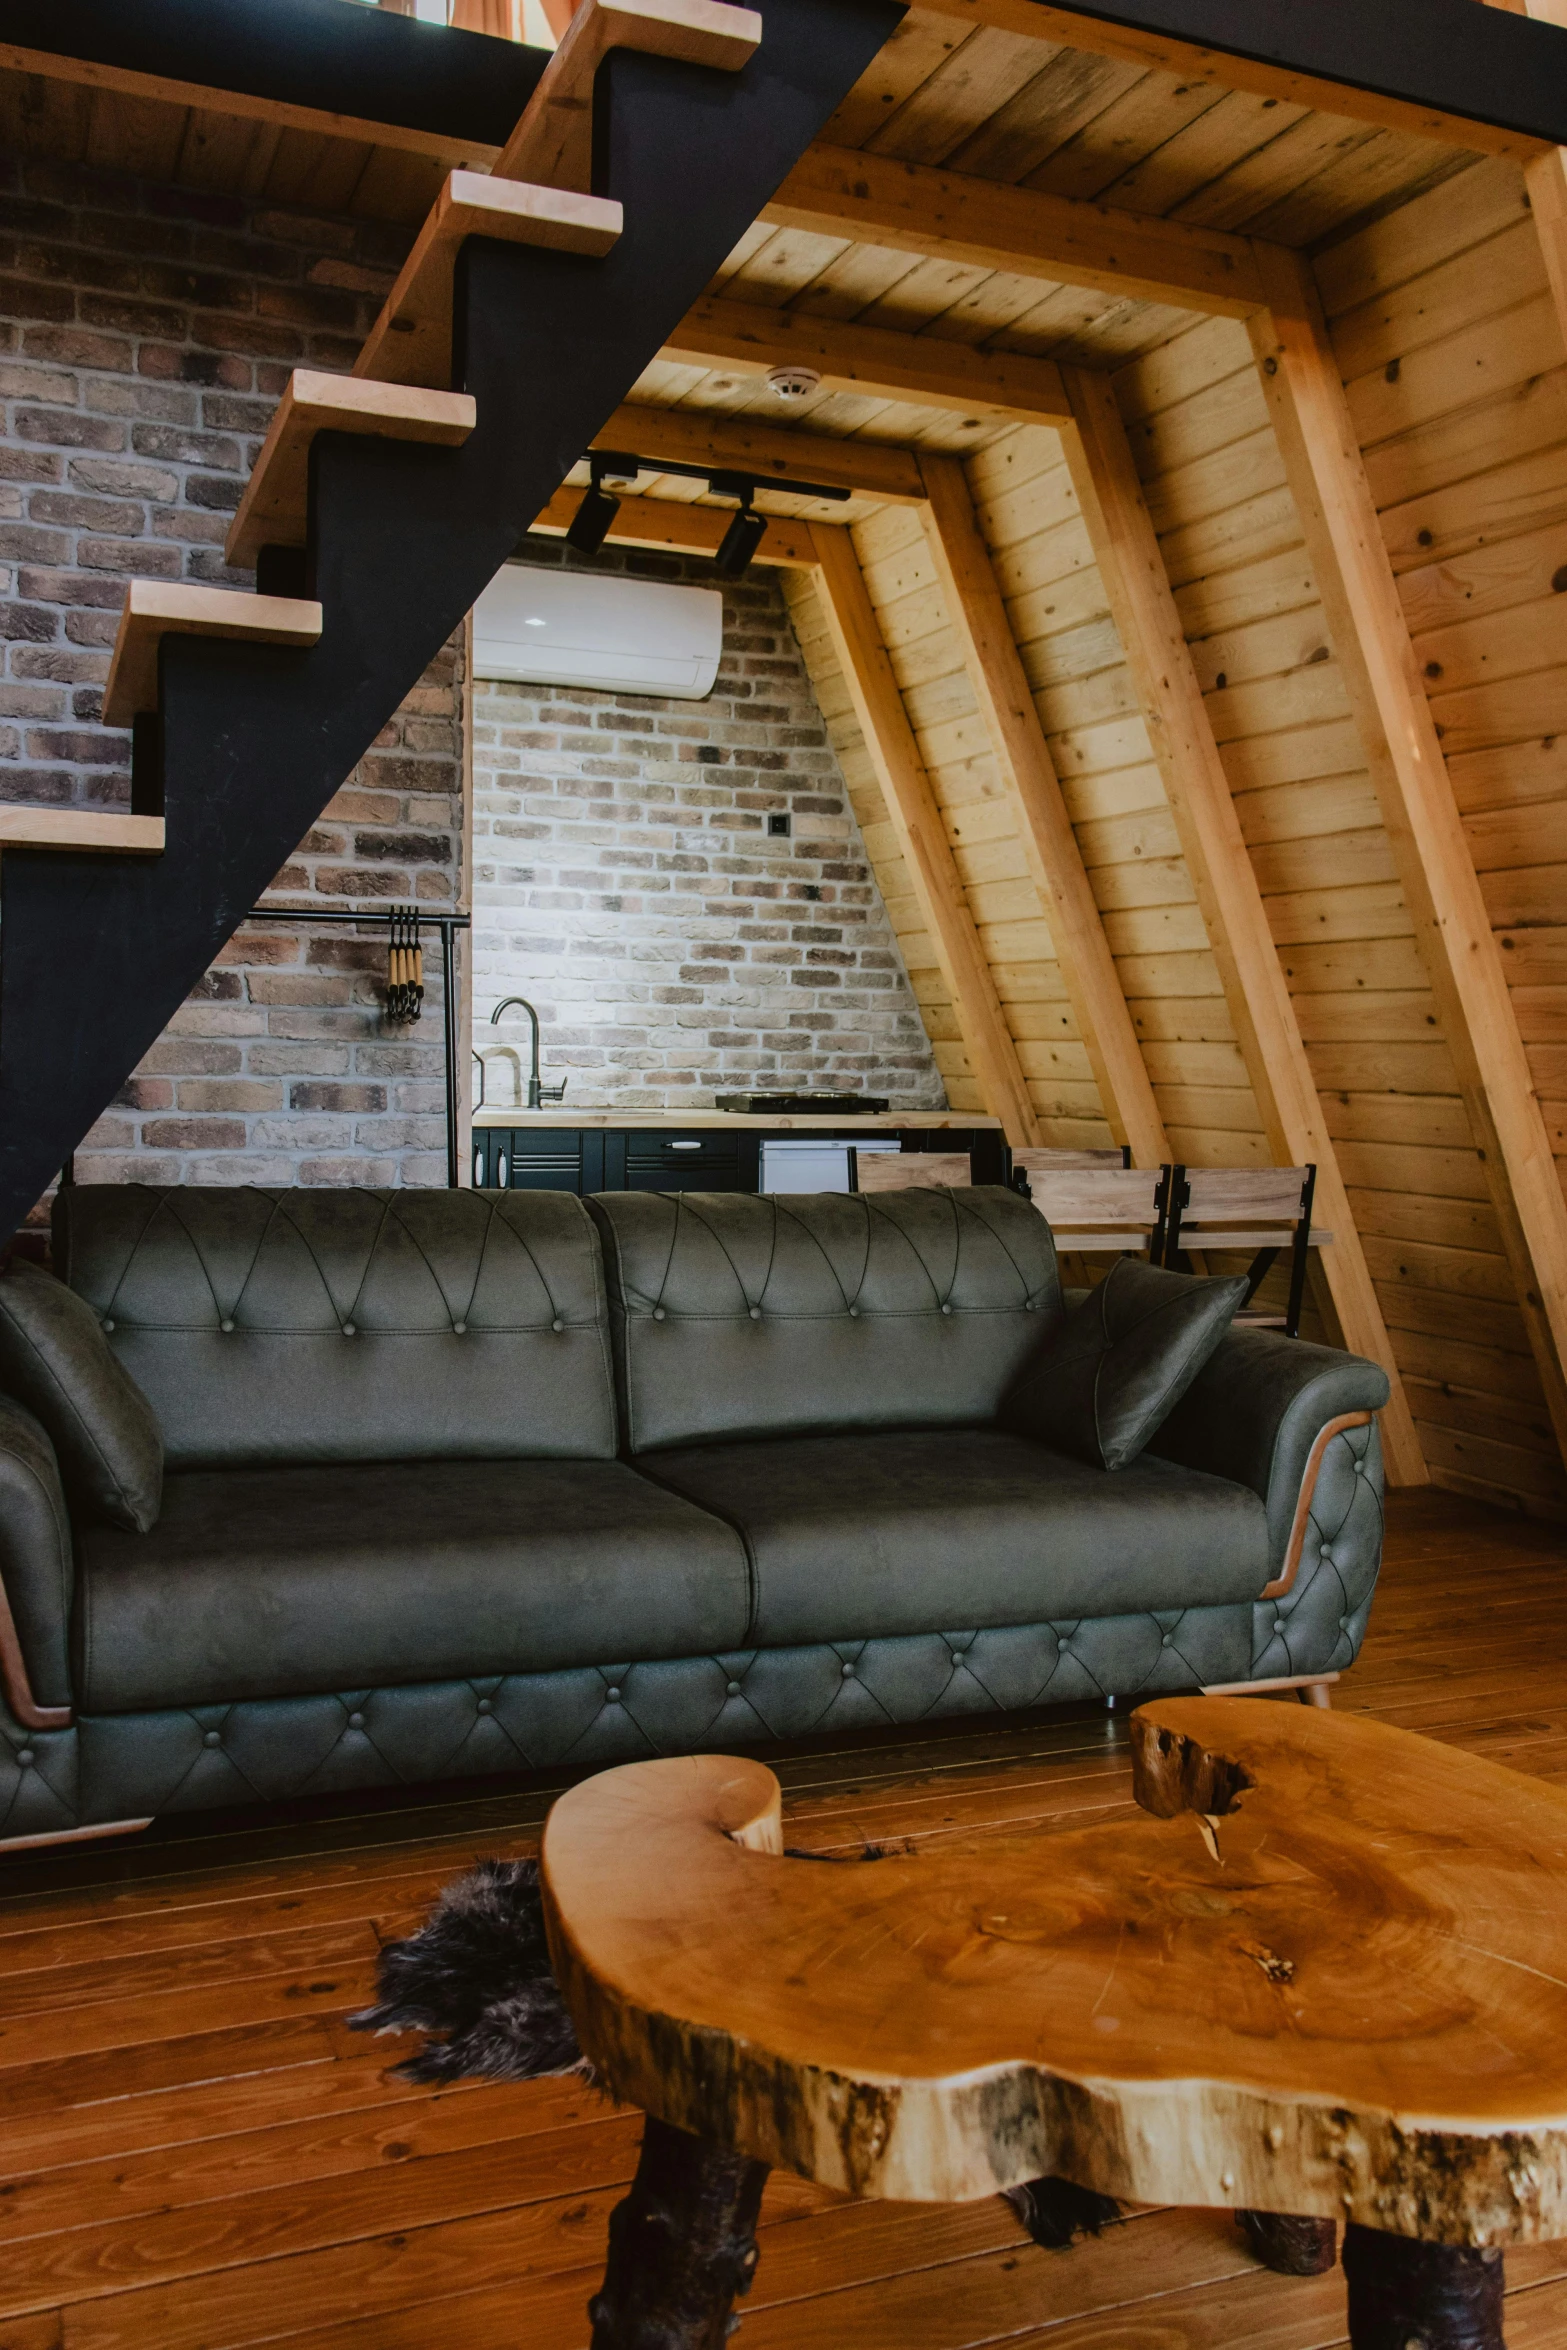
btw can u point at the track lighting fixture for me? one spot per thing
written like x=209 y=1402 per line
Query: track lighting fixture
x=740 y=542
x=591 y=523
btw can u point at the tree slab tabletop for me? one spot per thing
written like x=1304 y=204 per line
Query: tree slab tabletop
x=1323 y=1972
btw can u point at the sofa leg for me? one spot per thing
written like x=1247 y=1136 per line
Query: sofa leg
x=75 y=1835
x=1316 y=1693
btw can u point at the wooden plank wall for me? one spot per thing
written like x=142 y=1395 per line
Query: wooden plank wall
x=887 y=862
x=1448 y=342
x=1445 y=332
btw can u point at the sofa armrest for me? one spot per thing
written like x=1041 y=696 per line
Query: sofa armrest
x=1264 y=1412
x=37 y=1575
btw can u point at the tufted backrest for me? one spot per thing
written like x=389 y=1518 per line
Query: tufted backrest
x=738 y=1316
x=271 y=1327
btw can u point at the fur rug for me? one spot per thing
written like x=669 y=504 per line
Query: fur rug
x=476 y=1977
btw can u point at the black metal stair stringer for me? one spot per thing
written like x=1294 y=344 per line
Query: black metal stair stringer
x=98 y=953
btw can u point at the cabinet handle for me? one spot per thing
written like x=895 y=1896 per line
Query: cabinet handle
x=682 y=1146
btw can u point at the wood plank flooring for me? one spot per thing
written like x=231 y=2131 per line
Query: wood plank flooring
x=197 y=2154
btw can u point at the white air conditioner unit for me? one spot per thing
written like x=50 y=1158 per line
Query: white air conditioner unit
x=619 y=635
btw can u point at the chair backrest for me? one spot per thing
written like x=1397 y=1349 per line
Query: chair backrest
x=1242 y=1207
x=913 y=1170
x=1091 y=1209
x=1049 y=1162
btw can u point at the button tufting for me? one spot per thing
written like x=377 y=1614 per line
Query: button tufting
x=1167 y=1639
x=225 y=1325
x=486 y=1705
x=613 y=1695
x=854 y=1313
x=108 y=1322
x=459 y=1329
x=1360 y=1468
x=557 y=1325
x=356 y=1721
x=348 y=1330
x=847 y=1672
x=756 y=1313
x=24 y=1755
x=946 y=1309
x=658 y=1313
x=212 y=1738
x=954 y=1660
x=734 y=1689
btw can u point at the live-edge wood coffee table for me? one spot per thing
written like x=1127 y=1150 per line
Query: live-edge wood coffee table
x=1322 y=1972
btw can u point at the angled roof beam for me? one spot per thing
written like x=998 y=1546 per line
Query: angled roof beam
x=838 y=192
x=747 y=339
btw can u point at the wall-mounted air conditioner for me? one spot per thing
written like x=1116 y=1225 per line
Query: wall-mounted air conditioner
x=619 y=635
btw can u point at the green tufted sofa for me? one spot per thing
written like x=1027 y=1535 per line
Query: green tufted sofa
x=465 y=1482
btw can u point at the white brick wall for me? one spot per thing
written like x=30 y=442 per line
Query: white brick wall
x=625 y=882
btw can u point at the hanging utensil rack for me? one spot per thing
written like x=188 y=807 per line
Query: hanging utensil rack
x=388 y=918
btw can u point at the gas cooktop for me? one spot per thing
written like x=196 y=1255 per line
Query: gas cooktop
x=803 y=1105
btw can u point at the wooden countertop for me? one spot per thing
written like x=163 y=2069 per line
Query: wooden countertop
x=882 y=1121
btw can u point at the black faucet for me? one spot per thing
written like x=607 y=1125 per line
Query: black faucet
x=538 y=1094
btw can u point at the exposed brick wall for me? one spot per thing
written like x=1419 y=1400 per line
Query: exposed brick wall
x=145 y=336
x=625 y=882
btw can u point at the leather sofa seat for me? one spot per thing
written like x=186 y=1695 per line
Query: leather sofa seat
x=865 y=1535
x=278 y=1582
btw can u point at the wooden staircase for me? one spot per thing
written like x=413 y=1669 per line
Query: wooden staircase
x=380 y=507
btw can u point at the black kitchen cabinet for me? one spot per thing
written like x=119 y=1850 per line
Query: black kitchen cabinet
x=673 y=1158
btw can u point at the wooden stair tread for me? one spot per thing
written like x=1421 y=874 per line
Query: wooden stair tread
x=108 y=830
x=411 y=341
x=553 y=140
x=273 y=511
x=155 y=609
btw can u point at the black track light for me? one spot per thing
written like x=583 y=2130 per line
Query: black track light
x=740 y=542
x=590 y=524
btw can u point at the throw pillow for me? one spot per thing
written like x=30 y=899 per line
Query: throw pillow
x=55 y=1359
x=1107 y=1375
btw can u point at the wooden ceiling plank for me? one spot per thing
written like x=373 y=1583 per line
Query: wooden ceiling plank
x=875 y=361
x=1333 y=497
x=1234 y=916
x=922 y=836
x=1054 y=861
x=955 y=217
x=1162 y=52
x=741 y=444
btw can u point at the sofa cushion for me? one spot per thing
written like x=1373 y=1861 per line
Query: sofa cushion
x=55 y=1358
x=737 y=1316
x=270 y=1327
x=1108 y=1375
x=274 y=1582
x=854 y=1537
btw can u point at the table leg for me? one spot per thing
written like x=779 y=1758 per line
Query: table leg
x=1405 y=2295
x=682 y=2246
x=1290 y=2245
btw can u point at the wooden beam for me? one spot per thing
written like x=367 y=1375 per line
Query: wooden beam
x=1327 y=477
x=979 y=616
x=746 y=444
x=1132 y=568
x=552 y=145
x=1315 y=52
x=747 y=339
x=106 y=831
x=666 y=523
x=1545 y=177
x=840 y=192
x=922 y=836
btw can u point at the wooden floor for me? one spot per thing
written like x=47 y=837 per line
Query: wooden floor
x=197 y=2154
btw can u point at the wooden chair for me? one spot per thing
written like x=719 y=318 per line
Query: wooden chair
x=1022 y=1163
x=1097 y=1209
x=910 y=1170
x=1263 y=1209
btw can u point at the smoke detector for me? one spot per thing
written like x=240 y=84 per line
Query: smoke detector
x=793 y=383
